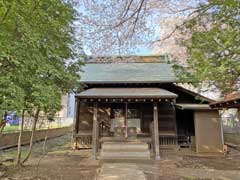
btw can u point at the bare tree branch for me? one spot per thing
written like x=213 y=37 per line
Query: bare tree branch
x=136 y=20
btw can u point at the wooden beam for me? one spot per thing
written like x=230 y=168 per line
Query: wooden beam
x=156 y=133
x=128 y=100
x=95 y=131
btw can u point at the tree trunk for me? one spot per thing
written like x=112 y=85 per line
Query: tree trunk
x=32 y=136
x=3 y=123
x=45 y=140
x=20 y=140
x=2 y=127
x=44 y=148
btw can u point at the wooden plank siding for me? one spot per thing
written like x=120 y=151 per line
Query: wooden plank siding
x=208 y=132
x=166 y=116
x=84 y=125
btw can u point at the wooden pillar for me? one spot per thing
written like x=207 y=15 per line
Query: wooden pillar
x=126 y=123
x=175 y=125
x=238 y=116
x=75 y=124
x=155 y=128
x=95 y=131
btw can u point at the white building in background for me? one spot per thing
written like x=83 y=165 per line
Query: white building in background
x=66 y=115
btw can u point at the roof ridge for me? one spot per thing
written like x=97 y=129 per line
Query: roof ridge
x=127 y=59
x=94 y=62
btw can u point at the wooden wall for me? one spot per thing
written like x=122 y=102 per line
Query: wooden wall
x=147 y=117
x=166 y=118
x=185 y=122
x=208 y=131
x=104 y=119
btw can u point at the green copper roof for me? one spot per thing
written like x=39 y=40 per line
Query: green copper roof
x=126 y=93
x=128 y=73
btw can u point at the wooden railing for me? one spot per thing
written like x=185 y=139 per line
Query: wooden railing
x=84 y=140
x=167 y=140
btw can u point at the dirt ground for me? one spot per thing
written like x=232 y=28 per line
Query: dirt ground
x=60 y=163
x=63 y=164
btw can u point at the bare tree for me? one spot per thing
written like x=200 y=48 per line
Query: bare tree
x=121 y=27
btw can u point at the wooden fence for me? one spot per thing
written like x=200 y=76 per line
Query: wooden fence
x=232 y=137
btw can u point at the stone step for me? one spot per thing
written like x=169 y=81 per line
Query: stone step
x=125 y=158
x=130 y=160
x=125 y=150
x=125 y=155
x=144 y=153
x=125 y=142
x=124 y=146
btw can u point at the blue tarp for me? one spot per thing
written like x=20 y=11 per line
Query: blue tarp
x=12 y=119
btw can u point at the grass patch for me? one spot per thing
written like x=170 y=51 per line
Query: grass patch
x=11 y=128
x=15 y=128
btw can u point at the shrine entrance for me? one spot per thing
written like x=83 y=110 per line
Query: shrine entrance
x=125 y=120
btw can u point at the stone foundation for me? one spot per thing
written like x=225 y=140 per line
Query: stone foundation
x=8 y=140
